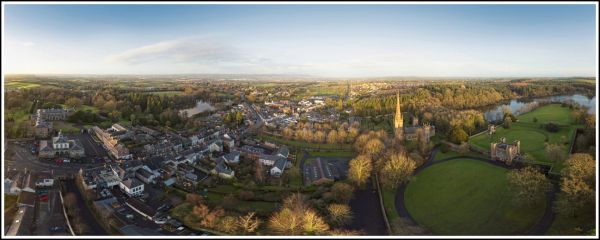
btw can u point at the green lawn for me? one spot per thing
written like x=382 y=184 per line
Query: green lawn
x=65 y=127
x=389 y=196
x=532 y=136
x=86 y=108
x=468 y=197
x=299 y=144
x=440 y=155
x=549 y=113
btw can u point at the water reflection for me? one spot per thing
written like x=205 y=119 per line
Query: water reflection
x=495 y=113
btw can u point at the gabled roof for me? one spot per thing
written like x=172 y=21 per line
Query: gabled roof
x=131 y=183
x=222 y=168
x=283 y=151
x=45 y=147
x=145 y=173
x=280 y=163
x=59 y=139
x=231 y=156
x=75 y=145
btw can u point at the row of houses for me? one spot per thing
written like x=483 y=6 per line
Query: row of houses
x=110 y=139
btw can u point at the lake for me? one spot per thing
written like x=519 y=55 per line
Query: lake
x=201 y=106
x=496 y=112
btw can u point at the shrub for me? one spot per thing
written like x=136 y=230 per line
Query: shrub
x=445 y=148
x=535 y=120
x=552 y=127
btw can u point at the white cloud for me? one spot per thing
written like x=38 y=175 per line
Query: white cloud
x=187 y=50
x=27 y=44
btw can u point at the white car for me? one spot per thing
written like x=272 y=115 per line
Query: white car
x=161 y=221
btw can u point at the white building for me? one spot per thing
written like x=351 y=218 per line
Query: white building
x=132 y=187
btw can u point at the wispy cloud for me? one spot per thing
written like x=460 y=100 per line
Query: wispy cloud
x=27 y=44
x=187 y=50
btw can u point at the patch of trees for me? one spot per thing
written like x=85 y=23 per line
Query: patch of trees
x=577 y=190
x=529 y=185
x=85 y=117
x=552 y=127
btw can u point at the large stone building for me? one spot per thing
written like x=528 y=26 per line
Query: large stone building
x=54 y=114
x=410 y=132
x=60 y=146
x=505 y=152
x=42 y=124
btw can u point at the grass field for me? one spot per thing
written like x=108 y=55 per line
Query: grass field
x=20 y=85
x=549 y=113
x=389 y=199
x=467 y=197
x=532 y=135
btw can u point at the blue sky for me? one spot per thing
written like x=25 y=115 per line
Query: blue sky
x=324 y=40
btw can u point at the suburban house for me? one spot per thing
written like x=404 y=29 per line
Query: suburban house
x=132 y=187
x=222 y=170
x=145 y=175
x=278 y=167
x=99 y=177
x=232 y=157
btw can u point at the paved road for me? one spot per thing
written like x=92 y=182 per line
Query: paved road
x=367 y=211
x=49 y=214
x=24 y=159
x=538 y=228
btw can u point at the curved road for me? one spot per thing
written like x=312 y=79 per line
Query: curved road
x=539 y=228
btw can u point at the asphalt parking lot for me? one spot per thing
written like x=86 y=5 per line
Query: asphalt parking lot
x=50 y=214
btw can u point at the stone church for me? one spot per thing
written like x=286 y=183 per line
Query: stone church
x=410 y=132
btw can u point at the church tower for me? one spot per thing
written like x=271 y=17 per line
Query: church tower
x=398 y=121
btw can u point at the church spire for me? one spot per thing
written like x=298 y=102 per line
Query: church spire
x=398 y=121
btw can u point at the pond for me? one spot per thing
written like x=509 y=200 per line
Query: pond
x=495 y=112
x=200 y=107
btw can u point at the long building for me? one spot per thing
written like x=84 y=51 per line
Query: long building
x=110 y=139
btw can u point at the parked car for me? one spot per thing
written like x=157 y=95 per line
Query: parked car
x=66 y=160
x=161 y=220
x=44 y=198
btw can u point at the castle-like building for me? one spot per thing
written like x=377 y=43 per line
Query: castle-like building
x=505 y=152
x=410 y=132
